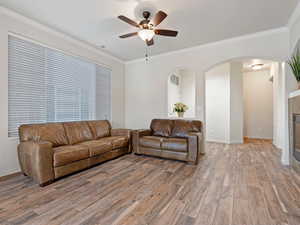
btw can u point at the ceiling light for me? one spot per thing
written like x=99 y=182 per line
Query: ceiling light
x=257 y=66
x=146 y=34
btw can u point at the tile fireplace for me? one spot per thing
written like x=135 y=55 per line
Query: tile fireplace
x=294 y=128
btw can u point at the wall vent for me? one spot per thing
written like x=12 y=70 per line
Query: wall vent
x=174 y=79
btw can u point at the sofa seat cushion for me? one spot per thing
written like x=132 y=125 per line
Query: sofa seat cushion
x=151 y=141
x=70 y=153
x=98 y=147
x=175 y=144
x=117 y=141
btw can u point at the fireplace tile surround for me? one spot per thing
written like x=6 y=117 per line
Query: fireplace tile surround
x=294 y=129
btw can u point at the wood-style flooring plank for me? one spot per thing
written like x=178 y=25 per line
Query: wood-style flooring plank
x=240 y=184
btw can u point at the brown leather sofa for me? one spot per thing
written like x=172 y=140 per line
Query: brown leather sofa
x=173 y=139
x=52 y=150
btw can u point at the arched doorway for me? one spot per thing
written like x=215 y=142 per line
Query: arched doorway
x=226 y=121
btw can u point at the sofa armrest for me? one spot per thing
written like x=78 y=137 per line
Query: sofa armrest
x=121 y=132
x=195 y=146
x=124 y=132
x=36 y=160
x=136 y=135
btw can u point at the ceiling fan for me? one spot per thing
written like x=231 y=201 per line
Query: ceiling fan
x=148 y=28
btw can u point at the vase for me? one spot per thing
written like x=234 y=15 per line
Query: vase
x=180 y=114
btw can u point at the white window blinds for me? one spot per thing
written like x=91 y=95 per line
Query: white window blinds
x=46 y=85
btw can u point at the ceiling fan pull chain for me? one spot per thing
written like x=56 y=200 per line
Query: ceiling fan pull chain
x=146 y=55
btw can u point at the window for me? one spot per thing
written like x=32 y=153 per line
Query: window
x=46 y=85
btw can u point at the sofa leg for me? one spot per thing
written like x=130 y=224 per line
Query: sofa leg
x=46 y=183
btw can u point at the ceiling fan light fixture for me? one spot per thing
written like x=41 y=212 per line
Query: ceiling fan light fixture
x=257 y=66
x=146 y=34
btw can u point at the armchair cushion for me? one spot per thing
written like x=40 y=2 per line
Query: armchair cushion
x=70 y=153
x=175 y=144
x=161 y=127
x=183 y=127
x=150 y=141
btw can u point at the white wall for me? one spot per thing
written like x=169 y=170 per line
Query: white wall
x=148 y=99
x=224 y=103
x=11 y=22
x=173 y=93
x=185 y=92
x=188 y=92
x=258 y=105
x=289 y=83
x=236 y=103
x=217 y=98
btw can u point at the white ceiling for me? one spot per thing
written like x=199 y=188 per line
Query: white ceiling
x=198 y=21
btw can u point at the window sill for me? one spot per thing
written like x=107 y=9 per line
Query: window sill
x=13 y=138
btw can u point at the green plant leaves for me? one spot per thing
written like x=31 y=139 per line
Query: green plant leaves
x=294 y=63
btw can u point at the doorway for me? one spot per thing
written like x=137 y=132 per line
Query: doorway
x=241 y=100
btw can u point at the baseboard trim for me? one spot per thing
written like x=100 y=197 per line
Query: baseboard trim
x=258 y=139
x=6 y=177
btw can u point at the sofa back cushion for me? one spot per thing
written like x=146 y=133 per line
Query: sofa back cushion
x=161 y=127
x=100 y=128
x=181 y=128
x=78 y=132
x=52 y=132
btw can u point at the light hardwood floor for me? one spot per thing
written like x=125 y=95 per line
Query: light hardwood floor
x=233 y=184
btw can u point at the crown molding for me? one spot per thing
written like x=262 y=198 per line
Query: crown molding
x=60 y=34
x=225 y=41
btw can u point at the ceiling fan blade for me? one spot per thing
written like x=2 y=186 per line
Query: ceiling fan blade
x=170 y=33
x=129 y=35
x=151 y=42
x=159 y=17
x=129 y=21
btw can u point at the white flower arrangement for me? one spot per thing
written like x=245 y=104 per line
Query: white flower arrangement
x=180 y=107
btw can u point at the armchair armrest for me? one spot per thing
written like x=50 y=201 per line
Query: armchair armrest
x=136 y=135
x=36 y=160
x=195 y=146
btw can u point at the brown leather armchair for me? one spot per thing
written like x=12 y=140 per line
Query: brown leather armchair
x=173 y=139
x=52 y=150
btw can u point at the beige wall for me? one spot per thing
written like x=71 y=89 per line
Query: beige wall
x=258 y=105
x=11 y=22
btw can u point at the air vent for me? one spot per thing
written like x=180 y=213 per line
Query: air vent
x=174 y=79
